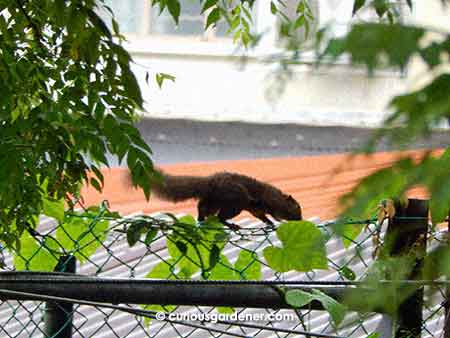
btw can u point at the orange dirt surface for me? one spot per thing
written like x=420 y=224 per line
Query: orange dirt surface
x=317 y=182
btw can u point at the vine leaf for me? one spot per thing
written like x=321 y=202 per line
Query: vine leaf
x=299 y=239
x=298 y=298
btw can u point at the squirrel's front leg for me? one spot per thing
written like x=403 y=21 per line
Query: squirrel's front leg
x=261 y=215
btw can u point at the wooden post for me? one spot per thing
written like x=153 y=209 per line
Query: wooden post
x=59 y=315
x=407 y=232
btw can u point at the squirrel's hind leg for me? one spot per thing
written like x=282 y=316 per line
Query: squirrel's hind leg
x=229 y=212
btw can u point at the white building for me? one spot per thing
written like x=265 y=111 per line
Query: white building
x=212 y=82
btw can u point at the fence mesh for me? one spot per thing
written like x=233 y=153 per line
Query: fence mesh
x=101 y=246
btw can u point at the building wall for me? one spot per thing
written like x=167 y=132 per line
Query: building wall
x=213 y=82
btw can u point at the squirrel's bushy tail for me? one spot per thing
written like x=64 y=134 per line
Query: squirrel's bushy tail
x=179 y=188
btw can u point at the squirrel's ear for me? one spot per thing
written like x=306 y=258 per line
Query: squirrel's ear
x=290 y=198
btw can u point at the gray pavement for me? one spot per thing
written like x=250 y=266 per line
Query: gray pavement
x=174 y=140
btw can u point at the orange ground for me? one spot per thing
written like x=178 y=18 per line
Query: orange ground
x=316 y=182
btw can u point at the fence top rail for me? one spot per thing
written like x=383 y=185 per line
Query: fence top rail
x=62 y=277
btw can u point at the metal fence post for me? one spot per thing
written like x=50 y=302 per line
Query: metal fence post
x=59 y=315
x=407 y=231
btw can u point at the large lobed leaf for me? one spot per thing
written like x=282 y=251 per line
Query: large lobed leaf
x=303 y=248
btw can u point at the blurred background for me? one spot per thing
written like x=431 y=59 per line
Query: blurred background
x=220 y=96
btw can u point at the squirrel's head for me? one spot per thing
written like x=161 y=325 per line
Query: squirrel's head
x=291 y=210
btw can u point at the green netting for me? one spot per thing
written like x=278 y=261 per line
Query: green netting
x=101 y=245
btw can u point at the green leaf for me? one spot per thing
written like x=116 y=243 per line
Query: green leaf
x=373 y=335
x=376 y=45
x=161 y=77
x=439 y=210
x=303 y=248
x=33 y=256
x=347 y=273
x=298 y=298
x=174 y=9
x=357 y=5
x=227 y=310
x=214 y=256
x=82 y=236
x=163 y=270
x=273 y=8
x=224 y=270
x=381 y=7
x=54 y=208
x=188 y=259
x=410 y=4
x=132 y=88
x=188 y=219
x=97 y=186
x=182 y=247
x=348 y=232
x=133 y=234
x=213 y=17
x=151 y=234
x=248 y=265
x=336 y=310
x=208 y=4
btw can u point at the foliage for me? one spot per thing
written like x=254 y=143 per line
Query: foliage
x=194 y=248
x=414 y=115
x=303 y=248
x=68 y=97
x=298 y=298
x=374 y=296
x=79 y=234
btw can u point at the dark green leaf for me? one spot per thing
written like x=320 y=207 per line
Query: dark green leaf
x=347 y=273
x=174 y=9
x=213 y=17
x=357 y=5
x=151 y=234
x=208 y=4
x=95 y=184
x=273 y=8
x=133 y=234
x=214 y=256
x=182 y=247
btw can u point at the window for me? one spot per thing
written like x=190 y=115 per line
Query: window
x=138 y=17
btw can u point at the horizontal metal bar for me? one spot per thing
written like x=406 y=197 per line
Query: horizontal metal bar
x=162 y=292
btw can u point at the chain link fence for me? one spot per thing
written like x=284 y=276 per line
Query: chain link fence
x=146 y=247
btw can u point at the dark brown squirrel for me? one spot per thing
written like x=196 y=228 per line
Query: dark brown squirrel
x=226 y=194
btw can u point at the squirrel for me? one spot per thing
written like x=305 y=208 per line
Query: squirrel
x=226 y=194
